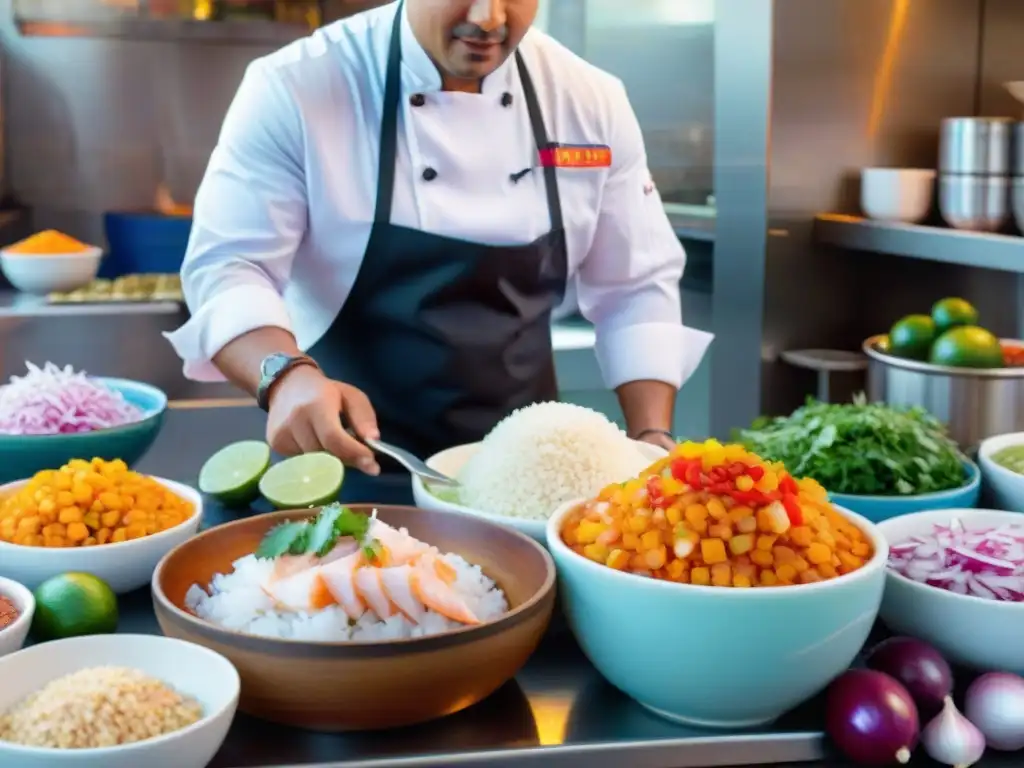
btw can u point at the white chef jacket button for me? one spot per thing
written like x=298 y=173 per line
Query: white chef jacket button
x=506 y=100
x=417 y=99
x=429 y=174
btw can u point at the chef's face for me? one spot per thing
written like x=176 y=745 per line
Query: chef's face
x=469 y=39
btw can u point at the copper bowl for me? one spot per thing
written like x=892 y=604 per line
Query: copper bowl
x=347 y=686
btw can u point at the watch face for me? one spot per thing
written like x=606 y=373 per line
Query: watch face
x=274 y=364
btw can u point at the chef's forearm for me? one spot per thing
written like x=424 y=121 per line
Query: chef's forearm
x=240 y=359
x=647 y=405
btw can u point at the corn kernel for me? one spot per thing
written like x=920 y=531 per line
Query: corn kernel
x=713 y=551
x=700 y=575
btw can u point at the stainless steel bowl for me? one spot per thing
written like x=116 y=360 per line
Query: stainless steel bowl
x=975 y=203
x=975 y=403
x=978 y=145
x=1018 y=149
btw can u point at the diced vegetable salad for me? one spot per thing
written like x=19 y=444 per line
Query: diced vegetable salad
x=987 y=562
x=713 y=514
x=87 y=503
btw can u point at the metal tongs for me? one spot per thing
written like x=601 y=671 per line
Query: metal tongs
x=414 y=464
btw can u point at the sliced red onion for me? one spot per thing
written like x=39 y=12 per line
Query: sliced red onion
x=986 y=563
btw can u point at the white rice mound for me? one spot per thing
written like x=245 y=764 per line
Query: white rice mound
x=236 y=601
x=544 y=455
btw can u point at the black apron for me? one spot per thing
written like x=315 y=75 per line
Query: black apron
x=445 y=336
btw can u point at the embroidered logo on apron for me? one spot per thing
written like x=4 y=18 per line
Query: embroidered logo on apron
x=576 y=156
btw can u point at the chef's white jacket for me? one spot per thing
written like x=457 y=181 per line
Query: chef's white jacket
x=283 y=215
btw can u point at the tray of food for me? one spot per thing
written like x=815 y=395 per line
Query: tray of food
x=127 y=288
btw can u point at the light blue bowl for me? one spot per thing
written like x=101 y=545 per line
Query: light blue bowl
x=21 y=456
x=879 y=508
x=714 y=657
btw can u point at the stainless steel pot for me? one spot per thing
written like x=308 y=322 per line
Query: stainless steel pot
x=974 y=203
x=975 y=145
x=975 y=403
x=1017 y=195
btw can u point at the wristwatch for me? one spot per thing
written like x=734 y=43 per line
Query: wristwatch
x=272 y=369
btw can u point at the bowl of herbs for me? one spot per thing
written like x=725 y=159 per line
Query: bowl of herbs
x=877 y=460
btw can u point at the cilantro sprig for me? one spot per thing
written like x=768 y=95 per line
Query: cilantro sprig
x=317 y=536
x=861 y=448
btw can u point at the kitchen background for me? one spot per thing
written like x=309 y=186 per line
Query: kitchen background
x=758 y=115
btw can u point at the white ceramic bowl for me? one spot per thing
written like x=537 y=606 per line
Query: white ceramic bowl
x=450 y=463
x=13 y=637
x=897 y=194
x=125 y=566
x=1004 y=486
x=46 y=273
x=190 y=669
x=715 y=657
x=978 y=633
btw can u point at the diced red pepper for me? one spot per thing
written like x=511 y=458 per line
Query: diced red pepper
x=718 y=474
x=792 y=506
x=655 y=493
x=788 y=485
x=693 y=477
x=756 y=472
x=750 y=498
x=721 y=488
x=737 y=468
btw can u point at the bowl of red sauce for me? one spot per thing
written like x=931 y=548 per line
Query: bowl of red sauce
x=16 y=609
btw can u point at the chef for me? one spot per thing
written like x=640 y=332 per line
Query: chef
x=395 y=207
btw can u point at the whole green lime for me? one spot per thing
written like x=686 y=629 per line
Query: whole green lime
x=967 y=346
x=953 y=312
x=912 y=337
x=74 y=604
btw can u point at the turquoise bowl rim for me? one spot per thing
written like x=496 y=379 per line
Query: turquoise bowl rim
x=118 y=385
x=972 y=471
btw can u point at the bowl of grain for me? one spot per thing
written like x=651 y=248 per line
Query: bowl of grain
x=116 y=701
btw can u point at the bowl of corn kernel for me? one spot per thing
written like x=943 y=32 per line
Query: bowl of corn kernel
x=94 y=516
x=716 y=589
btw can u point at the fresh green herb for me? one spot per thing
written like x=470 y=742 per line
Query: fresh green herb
x=314 y=537
x=284 y=539
x=860 y=448
x=372 y=549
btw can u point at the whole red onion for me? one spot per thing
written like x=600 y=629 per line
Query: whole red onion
x=871 y=718
x=919 y=667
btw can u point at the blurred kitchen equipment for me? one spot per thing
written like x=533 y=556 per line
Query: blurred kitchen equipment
x=974 y=403
x=1017 y=192
x=1016 y=90
x=975 y=145
x=897 y=194
x=975 y=203
x=41 y=274
x=974 y=172
x=147 y=242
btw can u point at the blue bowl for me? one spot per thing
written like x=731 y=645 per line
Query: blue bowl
x=879 y=508
x=712 y=657
x=21 y=456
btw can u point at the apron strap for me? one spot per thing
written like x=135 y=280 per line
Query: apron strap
x=388 y=157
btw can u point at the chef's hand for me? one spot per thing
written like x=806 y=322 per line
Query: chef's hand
x=659 y=439
x=305 y=411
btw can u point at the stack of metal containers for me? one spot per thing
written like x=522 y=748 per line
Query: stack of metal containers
x=976 y=165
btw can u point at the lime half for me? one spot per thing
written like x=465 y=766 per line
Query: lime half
x=310 y=480
x=232 y=475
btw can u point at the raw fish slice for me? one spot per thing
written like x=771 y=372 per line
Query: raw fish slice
x=396 y=583
x=431 y=590
x=289 y=565
x=305 y=591
x=401 y=547
x=339 y=576
x=369 y=587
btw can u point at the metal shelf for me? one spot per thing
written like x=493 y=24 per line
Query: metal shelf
x=952 y=246
x=236 y=31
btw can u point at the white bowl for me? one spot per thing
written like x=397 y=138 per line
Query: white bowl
x=125 y=566
x=190 y=669
x=1005 y=486
x=897 y=194
x=978 y=633
x=13 y=637
x=715 y=657
x=450 y=463
x=46 y=273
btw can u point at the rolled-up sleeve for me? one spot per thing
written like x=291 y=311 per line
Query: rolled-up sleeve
x=249 y=219
x=628 y=282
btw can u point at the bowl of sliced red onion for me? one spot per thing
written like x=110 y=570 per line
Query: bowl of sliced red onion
x=52 y=415
x=955 y=578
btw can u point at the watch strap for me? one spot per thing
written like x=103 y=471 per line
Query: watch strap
x=269 y=380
